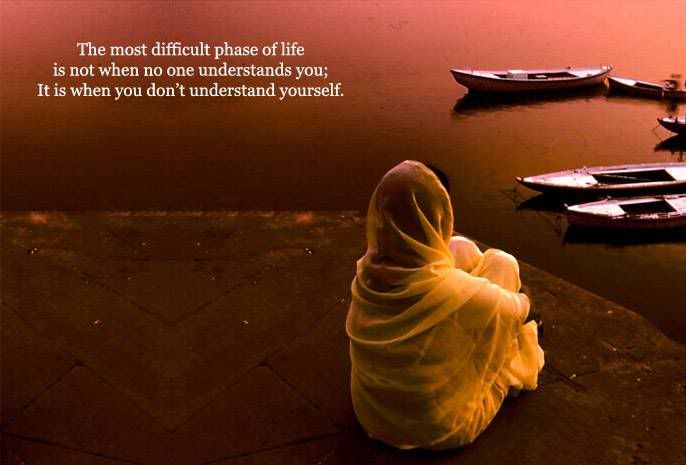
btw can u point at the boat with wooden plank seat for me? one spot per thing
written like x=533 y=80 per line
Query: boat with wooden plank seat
x=668 y=89
x=624 y=180
x=530 y=80
x=676 y=124
x=656 y=212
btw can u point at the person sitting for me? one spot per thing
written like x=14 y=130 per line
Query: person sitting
x=438 y=332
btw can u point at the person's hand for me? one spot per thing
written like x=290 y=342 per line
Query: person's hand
x=533 y=314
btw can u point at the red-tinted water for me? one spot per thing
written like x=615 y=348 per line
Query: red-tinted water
x=393 y=61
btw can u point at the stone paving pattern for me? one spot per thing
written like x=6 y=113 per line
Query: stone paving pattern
x=165 y=338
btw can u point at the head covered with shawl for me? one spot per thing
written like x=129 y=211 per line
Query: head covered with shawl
x=424 y=351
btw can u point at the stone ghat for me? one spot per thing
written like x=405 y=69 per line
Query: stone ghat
x=165 y=338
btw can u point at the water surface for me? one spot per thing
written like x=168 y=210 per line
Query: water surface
x=400 y=103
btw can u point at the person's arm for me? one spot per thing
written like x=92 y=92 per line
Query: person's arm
x=478 y=312
x=533 y=314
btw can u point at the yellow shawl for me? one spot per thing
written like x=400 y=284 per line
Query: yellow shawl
x=427 y=355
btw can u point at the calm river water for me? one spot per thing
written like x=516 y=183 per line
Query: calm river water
x=400 y=103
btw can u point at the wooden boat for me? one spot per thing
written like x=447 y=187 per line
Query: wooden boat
x=656 y=212
x=668 y=89
x=634 y=87
x=626 y=180
x=676 y=124
x=530 y=80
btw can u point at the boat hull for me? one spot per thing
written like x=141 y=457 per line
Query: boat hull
x=675 y=94
x=481 y=83
x=596 y=221
x=618 y=181
x=612 y=214
x=623 y=85
x=602 y=191
x=675 y=125
x=645 y=89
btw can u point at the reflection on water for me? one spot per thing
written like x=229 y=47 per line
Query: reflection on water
x=676 y=145
x=668 y=107
x=542 y=202
x=476 y=102
x=578 y=235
